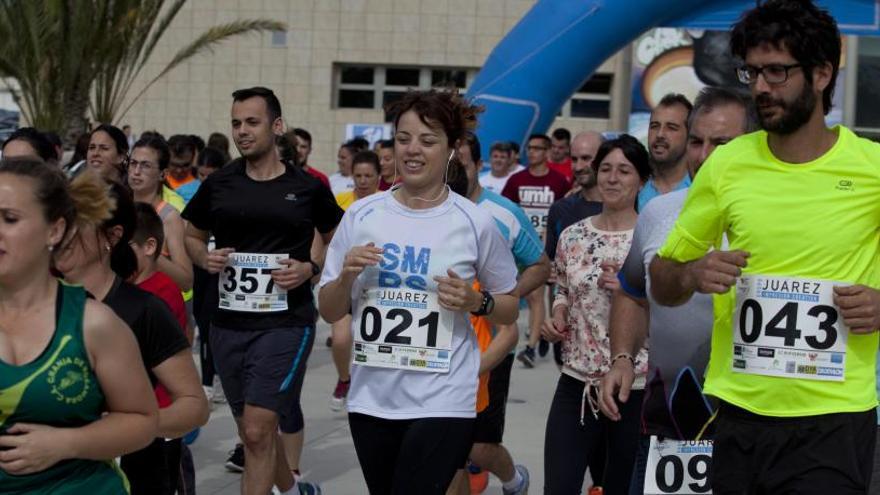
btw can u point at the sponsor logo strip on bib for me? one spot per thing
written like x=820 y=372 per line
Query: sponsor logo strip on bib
x=678 y=467
x=402 y=328
x=246 y=283
x=788 y=327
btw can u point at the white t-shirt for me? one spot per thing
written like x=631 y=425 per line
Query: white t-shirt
x=340 y=183
x=419 y=245
x=492 y=183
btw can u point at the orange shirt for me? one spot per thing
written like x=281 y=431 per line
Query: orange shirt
x=483 y=329
x=174 y=183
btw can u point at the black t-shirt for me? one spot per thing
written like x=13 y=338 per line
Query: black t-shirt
x=566 y=212
x=277 y=216
x=158 y=334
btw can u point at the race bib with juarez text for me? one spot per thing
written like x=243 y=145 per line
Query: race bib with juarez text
x=402 y=328
x=678 y=467
x=788 y=327
x=246 y=283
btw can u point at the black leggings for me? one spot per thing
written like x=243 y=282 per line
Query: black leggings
x=405 y=456
x=569 y=446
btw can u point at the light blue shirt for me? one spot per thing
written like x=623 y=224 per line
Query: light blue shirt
x=650 y=191
x=516 y=228
x=188 y=190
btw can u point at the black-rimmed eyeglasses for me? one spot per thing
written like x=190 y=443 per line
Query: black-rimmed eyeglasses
x=773 y=73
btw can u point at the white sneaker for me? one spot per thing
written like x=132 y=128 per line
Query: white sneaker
x=219 y=397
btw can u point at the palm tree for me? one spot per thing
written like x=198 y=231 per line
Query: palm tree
x=71 y=57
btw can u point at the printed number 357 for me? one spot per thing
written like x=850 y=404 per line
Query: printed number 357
x=245 y=281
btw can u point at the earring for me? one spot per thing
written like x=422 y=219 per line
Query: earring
x=107 y=248
x=51 y=248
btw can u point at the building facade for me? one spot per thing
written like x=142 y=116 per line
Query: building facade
x=340 y=61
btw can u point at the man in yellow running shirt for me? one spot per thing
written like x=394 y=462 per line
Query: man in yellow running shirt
x=796 y=304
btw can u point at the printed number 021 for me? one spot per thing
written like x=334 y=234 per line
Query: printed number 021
x=372 y=332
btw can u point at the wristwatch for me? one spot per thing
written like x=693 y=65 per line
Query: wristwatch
x=487 y=306
x=315 y=268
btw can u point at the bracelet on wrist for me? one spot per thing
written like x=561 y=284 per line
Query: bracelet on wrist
x=624 y=355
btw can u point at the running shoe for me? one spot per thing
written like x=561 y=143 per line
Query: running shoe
x=308 y=488
x=543 y=347
x=337 y=401
x=527 y=357
x=477 y=479
x=524 y=486
x=235 y=462
x=219 y=397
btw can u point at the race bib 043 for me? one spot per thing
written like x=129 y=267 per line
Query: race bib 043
x=788 y=327
x=679 y=467
x=246 y=283
x=402 y=328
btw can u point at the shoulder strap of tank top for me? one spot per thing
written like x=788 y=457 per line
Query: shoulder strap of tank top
x=71 y=309
x=164 y=209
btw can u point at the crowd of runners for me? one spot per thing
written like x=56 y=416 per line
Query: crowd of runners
x=711 y=300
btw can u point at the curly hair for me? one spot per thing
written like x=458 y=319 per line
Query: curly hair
x=808 y=32
x=438 y=109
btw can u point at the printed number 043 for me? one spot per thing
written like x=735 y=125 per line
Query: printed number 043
x=370 y=332
x=245 y=281
x=790 y=331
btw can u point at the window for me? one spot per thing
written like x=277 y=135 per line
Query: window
x=867 y=92
x=373 y=87
x=449 y=78
x=592 y=100
x=279 y=38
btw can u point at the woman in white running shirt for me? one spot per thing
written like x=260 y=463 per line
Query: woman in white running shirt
x=402 y=263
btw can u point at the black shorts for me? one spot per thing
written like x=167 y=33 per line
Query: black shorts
x=405 y=456
x=829 y=453
x=155 y=469
x=263 y=368
x=489 y=426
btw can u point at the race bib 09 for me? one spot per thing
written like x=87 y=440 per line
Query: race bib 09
x=679 y=467
x=246 y=283
x=402 y=328
x=788 y=327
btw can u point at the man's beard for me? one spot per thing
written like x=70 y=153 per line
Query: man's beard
x=794 y=114
x=669 y=162
x=586 y=180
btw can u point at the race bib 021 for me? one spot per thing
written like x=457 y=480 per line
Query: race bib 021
x=402 y=328
x=678 y=467
x=788 y=327
x=246 y=283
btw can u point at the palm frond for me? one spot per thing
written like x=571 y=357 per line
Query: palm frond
x=206 y=43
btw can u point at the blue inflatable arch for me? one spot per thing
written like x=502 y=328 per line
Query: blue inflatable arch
x=558 y=44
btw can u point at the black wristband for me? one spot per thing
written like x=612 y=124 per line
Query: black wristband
x=315 y=268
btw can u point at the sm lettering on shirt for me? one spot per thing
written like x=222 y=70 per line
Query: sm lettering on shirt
x=404 y=267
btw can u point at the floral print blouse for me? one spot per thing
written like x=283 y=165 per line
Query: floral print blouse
x=582 y=251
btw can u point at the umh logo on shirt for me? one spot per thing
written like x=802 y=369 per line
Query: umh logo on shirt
x=536 y=195
x=404 y=266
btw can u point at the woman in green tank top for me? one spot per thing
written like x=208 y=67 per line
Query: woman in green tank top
x=70 y=399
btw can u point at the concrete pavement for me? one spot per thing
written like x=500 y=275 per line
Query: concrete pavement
x=329 y=456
